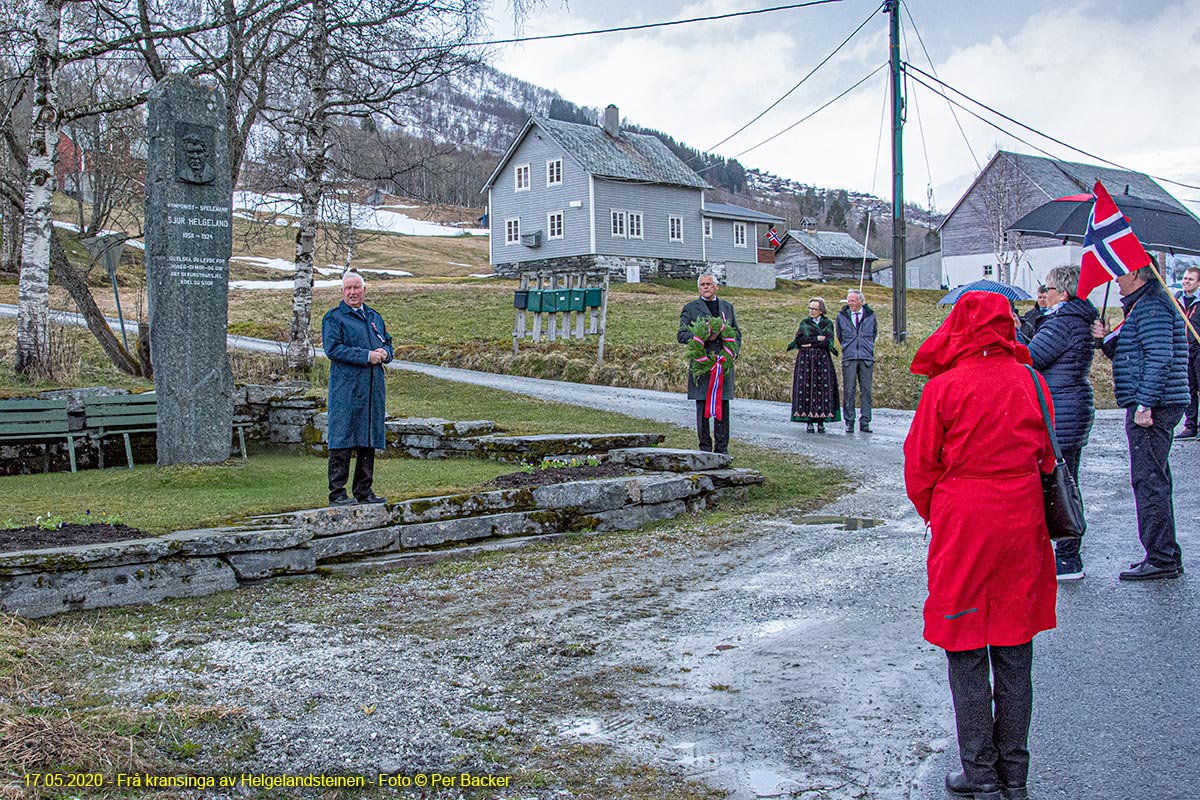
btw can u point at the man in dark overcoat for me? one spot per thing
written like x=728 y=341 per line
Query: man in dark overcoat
x=709 y=305
x=358 y=345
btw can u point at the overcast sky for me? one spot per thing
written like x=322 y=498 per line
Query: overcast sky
x=1120 y=79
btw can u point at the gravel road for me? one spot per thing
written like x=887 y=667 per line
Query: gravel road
x=765 y=657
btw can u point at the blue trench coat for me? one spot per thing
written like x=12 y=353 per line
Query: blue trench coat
x=356 y=390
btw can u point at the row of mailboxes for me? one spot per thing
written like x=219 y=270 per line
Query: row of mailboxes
x=555 y=300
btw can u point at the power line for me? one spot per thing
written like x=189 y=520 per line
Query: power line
x=803 y=119
x=552 y=36
x=1029 y=128
x=924 y=50
x=645 y=26
x=786 y=94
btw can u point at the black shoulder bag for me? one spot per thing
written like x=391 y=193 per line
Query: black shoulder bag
x=1060 y=494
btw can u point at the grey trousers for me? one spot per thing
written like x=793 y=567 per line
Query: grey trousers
x=856 y=372
x=993 y=716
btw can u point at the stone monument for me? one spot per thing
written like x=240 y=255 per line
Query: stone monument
x=189 y=238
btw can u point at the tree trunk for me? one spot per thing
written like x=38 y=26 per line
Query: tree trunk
x=300 y=347
x=76 y=286
x=33 y=315
x=10 y=245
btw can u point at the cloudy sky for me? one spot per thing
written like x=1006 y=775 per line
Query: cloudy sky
x=1119 y=79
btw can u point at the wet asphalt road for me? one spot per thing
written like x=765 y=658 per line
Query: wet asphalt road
x=1117 y=692
x=1117 y=686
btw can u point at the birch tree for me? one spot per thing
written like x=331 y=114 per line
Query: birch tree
x=361 y=60
x=33 y=313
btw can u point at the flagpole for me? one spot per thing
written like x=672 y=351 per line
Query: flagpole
x=862 y=273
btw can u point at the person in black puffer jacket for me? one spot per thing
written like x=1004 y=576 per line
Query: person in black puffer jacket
x=1062 y=351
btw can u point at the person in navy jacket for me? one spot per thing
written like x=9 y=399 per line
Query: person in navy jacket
x=1189 y=300
x=1150 y=359
x=358 y=345
x=1062 y=351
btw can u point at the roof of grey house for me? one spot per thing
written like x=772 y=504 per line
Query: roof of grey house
x=1062 y=178
x=828 y=244
x=730 y=211
x=628 y=157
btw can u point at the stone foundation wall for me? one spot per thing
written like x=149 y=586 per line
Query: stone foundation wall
x=667 y=483
x=617 y=267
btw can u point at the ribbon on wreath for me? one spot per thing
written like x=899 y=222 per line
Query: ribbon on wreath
x=714 y=365
x=712 y=405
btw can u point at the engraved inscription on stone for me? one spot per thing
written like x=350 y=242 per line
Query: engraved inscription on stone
x=194 y=153
x=189 y=236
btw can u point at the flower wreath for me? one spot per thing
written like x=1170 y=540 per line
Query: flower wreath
x=701 y=361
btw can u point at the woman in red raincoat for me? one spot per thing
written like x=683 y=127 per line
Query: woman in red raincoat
x=971 y=467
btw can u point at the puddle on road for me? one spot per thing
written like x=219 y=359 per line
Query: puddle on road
x=843 y=523
x=765 y=783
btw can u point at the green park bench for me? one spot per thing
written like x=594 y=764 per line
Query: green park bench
x=37 y=420
x=120 y=415
x=124 y=414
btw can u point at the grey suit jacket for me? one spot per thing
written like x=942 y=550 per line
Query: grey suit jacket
x=692 y=312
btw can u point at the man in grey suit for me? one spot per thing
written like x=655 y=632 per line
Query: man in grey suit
x=856 y=331
x=708 y=305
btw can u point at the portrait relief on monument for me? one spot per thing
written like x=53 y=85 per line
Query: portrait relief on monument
x=194 y=153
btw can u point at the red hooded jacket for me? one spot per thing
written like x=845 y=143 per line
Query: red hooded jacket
x=971 y=464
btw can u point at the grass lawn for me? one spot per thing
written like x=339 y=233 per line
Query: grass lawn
x=182 y=497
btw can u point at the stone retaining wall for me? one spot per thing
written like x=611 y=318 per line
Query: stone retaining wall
x=39 y=583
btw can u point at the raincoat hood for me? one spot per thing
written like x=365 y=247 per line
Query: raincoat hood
x=979 y=322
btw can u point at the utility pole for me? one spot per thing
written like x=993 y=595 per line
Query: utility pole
x=899 y=234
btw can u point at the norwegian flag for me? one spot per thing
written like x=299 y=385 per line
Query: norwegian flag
x=772 y=236
x=1110 y=247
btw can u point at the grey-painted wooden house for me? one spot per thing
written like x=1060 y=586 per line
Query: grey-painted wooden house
x=567 y=196
x=808 y=255
x=1010 y=186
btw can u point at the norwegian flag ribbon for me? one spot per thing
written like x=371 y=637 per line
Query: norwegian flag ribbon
x=1110 y=247
x=772 y=236
x=712 y=405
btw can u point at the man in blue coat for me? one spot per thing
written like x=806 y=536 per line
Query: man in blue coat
x=1150 y=359
x=358 y=345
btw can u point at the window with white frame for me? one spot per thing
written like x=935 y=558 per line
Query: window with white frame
x=707 y=228
x=635 y=224
x=618 y=224
x=554 y=172
x=522 y=178
x=988 y=270
x=554 y=225
x=675 y=229
x=739 y=234
x=512 y=231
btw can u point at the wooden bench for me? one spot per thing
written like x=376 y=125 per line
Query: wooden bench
x=37 y=420
x=132 y=413
x=120 y=414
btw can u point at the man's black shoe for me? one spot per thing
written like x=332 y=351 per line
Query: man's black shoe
x=1146 y=571
x=957 y=784
x=344 y=500
x=1186 y=433
x=865 y=428
x=372 y=498
x=1137 y=564
x=1014 y=793
x=849 y=427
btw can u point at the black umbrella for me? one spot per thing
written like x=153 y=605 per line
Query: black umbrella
x=984 y=285
x=1158 y=226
